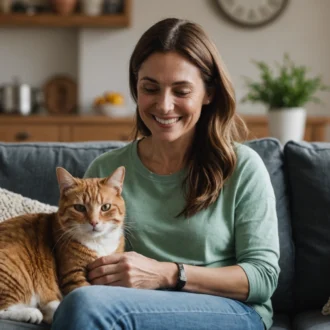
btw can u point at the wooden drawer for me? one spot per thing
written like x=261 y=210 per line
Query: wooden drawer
x=121 y=132
x=29 y=133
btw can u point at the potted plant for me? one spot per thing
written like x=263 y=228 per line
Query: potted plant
x=285 y=94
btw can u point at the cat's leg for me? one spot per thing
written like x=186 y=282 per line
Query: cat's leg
x=16 y=303
x=50 y=298
x=49 y=309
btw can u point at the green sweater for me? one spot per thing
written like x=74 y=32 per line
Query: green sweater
x=240 y=228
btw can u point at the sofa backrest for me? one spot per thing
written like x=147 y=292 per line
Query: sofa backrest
x=29 y=169
x=270 y=150
x=308 y=167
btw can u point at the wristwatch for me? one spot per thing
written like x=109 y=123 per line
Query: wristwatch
x=182 y=278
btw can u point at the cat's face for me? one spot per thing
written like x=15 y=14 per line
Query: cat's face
x=91 y=208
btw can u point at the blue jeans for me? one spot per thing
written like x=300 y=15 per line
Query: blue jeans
x=105 y=308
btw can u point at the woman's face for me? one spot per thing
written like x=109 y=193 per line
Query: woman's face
x=170 y=96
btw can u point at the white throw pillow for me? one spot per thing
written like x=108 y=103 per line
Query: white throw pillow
x=326 y=308
x=12 y=205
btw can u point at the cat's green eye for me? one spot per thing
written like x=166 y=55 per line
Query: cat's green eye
x=106 y=207
x=79 y=207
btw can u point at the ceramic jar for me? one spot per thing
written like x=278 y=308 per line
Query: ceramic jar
x=91 y=7
x=5 y=6
x=64 y=7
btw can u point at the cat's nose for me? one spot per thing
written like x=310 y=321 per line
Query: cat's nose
x=94 y=223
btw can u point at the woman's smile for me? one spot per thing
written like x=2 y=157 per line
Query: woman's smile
x=166 y=122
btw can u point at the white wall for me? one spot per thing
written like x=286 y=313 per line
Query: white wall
x=100 y=56
x=302 y=31
x=34 y=55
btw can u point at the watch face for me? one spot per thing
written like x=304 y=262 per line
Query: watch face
x=183 y=277
x=252 y=13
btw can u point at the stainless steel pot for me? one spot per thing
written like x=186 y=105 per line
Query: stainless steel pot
x=16 y=98
x=7 y=98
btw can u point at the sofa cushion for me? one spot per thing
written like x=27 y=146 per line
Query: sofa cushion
x=311 y=320
x=281 y=322
x=12 y=325
x=308 y=166
x=29 y=169
x=270 y=151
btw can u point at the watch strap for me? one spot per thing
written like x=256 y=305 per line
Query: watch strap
x=182 y=279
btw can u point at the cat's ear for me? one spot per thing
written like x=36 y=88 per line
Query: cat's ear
x=64 y=178
x=116 y=179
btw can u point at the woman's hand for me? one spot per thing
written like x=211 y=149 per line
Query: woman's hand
x=129 y=269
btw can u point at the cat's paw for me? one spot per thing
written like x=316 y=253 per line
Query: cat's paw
x=49 y=311
x=32 y=315
x=24 y=314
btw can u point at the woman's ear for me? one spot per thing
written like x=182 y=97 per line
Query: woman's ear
x=208 y=98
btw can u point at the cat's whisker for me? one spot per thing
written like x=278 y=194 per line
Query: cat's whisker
x=63 y=236
x=127 y=229
x=128 y=233
x=69 y=239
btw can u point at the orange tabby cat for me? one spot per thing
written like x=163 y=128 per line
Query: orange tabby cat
x=43 y=256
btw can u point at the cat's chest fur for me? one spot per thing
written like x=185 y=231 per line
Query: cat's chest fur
x=103 y=246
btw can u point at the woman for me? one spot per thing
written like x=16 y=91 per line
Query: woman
x=200 y=206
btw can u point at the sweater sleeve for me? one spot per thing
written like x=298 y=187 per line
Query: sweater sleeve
x=256 y=229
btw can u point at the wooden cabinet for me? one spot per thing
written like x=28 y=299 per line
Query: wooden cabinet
x=70 y=128
x=120 y=131
x=74 y=128
x=16 y=133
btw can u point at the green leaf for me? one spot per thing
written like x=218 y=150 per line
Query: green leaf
x=288 y=87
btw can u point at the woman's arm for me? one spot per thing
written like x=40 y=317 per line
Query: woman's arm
x=131 y=269
x=230 y=282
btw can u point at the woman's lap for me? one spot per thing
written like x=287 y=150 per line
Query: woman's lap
x=102 y=307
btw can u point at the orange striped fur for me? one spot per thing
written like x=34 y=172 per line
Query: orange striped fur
x=44 y=256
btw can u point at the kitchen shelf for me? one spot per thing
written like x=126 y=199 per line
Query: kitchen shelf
x=69 y=21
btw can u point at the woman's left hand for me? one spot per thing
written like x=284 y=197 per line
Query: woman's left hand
x=129 y=269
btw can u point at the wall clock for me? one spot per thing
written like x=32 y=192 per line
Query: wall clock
x=252 y=13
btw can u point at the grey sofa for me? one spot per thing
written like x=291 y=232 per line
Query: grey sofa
x=300 y=173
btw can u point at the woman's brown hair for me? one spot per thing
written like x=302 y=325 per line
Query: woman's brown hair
x=212 y=158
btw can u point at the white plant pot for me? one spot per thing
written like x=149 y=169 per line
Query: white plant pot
x=287 y=124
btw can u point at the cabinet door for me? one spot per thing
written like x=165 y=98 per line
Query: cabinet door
x=29 y=133
x=115 y=132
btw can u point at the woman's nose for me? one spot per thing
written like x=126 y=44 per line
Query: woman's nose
x=165 y=103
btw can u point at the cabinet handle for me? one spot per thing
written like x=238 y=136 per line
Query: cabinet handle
x=22 y=136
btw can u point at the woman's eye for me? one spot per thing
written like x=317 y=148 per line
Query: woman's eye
x=150 y=90
x=182 y=93
x=106 y=207
x=79 y=207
